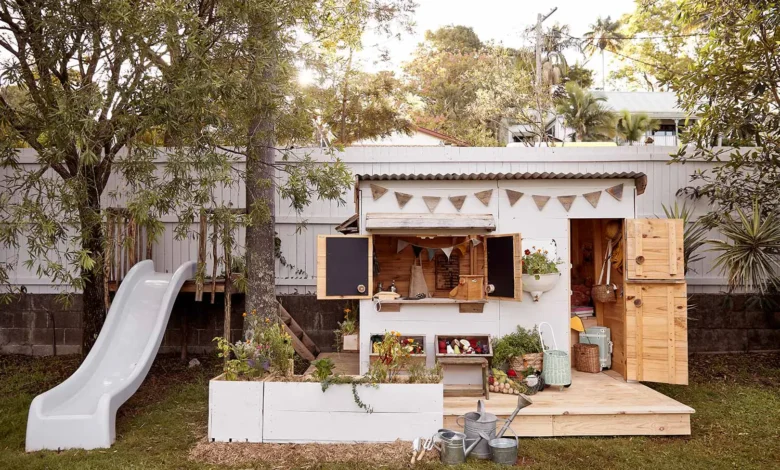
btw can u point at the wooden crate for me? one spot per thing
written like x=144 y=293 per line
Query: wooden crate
x=420 y=358
x=478 y=337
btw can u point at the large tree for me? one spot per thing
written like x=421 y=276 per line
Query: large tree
x=604 y=35
x=588 y=115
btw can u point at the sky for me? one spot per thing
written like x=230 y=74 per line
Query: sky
x=498 y=20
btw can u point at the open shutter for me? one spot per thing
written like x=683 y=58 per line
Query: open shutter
x=654 y=249
x=504 y=266
x=344 y=267
x=657 y=332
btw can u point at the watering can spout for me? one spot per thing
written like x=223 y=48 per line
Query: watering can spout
x=482 y=435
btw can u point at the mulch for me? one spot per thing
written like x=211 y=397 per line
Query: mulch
x=395 y=454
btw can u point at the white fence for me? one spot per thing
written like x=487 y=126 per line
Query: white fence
x=299 y=246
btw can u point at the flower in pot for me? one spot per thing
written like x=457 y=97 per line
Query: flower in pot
x=540 y=272
x=347 y=333
x=520 y=350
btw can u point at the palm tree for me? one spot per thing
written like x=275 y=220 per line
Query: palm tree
x=604 y=35
x=588 y=115
x=631 y=127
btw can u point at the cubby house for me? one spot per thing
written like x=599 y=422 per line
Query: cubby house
x=465 y=235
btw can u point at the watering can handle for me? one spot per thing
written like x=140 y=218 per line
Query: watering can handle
x=457 y=421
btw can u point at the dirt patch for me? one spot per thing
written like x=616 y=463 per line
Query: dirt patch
x=396 y=454
x=761 y=369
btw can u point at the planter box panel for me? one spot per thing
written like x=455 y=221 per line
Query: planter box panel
x=235 y=411
x=332 y=426
x=386 y=398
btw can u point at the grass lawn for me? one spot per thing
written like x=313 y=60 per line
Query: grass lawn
x=736 y=425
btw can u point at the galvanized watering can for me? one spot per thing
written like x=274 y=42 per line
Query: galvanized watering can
x=476 y=422
x=452 y=446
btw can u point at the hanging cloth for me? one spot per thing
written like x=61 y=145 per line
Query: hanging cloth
x=417 y=285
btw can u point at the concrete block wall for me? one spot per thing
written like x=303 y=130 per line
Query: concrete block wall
x=735 y=324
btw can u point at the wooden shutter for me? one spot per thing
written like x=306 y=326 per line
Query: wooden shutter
x=657 y=332
x=345 y=267
x=654 y=249
x=504 y=266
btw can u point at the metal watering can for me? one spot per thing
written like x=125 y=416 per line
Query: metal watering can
x=452 y=446
x=481 y=425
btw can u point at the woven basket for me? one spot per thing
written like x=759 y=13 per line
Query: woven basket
x=604 y=293
x=522 y=363
x=586 y=358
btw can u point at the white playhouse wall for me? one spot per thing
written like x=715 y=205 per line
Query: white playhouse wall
x=499 y=316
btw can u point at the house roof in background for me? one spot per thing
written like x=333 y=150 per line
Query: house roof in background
x=657 y=104
x=439 y=135
x=640 y=179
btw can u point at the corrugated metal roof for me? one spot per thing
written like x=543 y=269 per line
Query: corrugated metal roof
x=639 y=178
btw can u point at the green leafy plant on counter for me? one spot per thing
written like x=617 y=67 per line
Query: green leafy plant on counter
x=515 y=344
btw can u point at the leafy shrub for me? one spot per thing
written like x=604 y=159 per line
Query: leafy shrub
x=521 y=341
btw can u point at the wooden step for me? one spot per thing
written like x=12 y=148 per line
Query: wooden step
x=302 y=344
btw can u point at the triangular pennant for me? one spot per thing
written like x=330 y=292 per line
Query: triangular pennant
x=457 y=201
x=616 y=191
x=513 y=196
x=402 y=199
x=475 y=241
x=593 y=198
x=567 y=201
x=431 y=253
x=417 y=250
x=540 y=201
x=401 y=245
x=484 y=196
x=431 y=202
x=462 y=248
x=377 y=191
x=447 y=251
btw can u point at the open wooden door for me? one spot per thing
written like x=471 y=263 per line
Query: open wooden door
x=504 y=266
x=656 y=302
x=344 y=267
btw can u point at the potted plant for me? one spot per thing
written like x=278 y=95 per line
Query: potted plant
x=520 y=350
x=347 y=335
x=540 y=272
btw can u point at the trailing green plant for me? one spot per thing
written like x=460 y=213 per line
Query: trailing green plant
x=749 y=256
x=695 y=234
x=515 y=344
x=537 y=261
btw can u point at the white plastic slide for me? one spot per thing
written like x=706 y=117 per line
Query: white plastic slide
x=80 y=412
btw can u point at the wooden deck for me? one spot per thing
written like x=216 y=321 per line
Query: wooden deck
x=595 y=405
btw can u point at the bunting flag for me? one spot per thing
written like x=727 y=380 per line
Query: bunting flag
x=431 y=253
x=461 y=248
x=377 y=191
x=402 y=199
x=475 y=242
x=513 y=196
x=540 y=201
x=401 y=245
x=593 y=198
x=566 y=201
x=431 y=202
x=484 y=196
x=447 y=251
x=616 y=191
x=417 y=250
x=457 y=201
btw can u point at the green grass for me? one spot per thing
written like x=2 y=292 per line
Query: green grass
x=736 y=425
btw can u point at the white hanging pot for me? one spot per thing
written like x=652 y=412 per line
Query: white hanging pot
x=537 y=284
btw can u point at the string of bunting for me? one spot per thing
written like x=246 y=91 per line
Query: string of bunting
x=432 y=202
x=431 y=251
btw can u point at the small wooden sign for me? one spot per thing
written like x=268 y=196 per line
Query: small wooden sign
x=513 y=196
x=457 y=201
x=377 y=191
x=484 y=196
x=567 y=201
x=616 y=191
x=431 y=202
x=593 y=198
x=402 y=199
x=540 y=201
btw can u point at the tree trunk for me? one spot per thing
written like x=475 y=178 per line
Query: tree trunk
x=260 y=188
x=94 y=309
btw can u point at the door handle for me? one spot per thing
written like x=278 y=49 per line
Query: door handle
x=361 y=288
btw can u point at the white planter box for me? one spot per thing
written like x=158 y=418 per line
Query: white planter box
x=235 y=411
x=351 y=343
x=301 y=412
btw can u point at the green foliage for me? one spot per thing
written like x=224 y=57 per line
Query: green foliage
x=695 y=234
x=580 y=75
x=266 y=350
x=604 y=35
x=454 y=38
x=517 y=343
x=419 y=374
x=539 y=262
x=347 y=327
x=587 y=114
x=749 y=256
x=632 y=127
x=323 y=368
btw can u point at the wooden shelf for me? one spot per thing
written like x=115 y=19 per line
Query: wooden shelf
x=466 y=306
x=188 y=286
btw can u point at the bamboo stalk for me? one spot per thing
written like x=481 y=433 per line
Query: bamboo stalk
x=201 y=258
x=216 y=262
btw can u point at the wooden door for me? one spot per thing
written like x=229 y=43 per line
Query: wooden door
x=656 y=301
x=654 y=249
x=345 y=267
x=504 y=265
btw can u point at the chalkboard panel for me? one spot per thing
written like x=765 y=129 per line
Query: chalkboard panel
x=501 y=265
x=346 y=265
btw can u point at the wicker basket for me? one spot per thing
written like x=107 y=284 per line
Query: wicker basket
x=604 y=293
x=586 y=358
x=522 y=363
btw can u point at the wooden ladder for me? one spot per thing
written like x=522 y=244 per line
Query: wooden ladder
x=302 y=344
